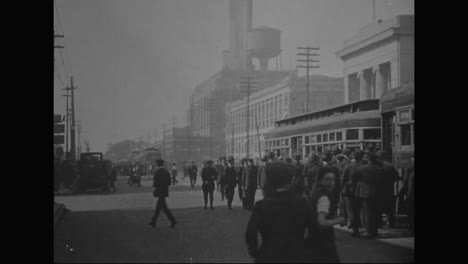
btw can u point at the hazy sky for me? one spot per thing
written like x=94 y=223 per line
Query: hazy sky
x=135 y=63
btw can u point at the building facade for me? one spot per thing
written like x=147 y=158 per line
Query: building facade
x=379 y=58
x=379 y=64
x=279 y=101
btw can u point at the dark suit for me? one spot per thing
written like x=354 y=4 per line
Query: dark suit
x=239 y=174
x=220 y=180
x=161 y=183
x=281 y=219
x=310 y=176
x=250 y=185
x=298 y=184
x=367 y=177
x=231 y=181
x=192 y=172
x=208 y=177
x=353 y=204
x=386 y=191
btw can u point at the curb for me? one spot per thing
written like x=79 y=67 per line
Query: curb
x=59 y=213
x=406 y=242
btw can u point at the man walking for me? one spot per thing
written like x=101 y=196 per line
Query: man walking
x=239 y=177
x=174 y=173
x=192 y=172
x=250 y=184
x=161 y=183
x=208 y=175
x=220 y=178
x=230 y=180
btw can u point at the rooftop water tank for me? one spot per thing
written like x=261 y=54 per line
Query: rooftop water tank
x=264 y=43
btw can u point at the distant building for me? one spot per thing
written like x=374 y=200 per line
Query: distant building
x=281 y=100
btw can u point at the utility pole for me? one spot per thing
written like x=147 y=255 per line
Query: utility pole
x=163 y=142
x=72 y=126
x=246 y=85
x=308 y=60
x=209 y=106
x=232 y=123
x=57 y=46
x=78 y=126
x=188 y=135
x=67 y=113
x=258 y=138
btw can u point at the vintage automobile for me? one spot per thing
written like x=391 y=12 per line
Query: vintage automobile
x=93 y=172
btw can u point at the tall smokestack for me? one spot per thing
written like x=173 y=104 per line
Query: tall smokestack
x=240 y=24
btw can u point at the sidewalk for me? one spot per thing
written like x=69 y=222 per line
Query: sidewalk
x=398 y=237
x=59 y=212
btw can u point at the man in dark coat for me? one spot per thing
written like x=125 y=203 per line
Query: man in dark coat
x=230 y=180
x=386 y=189
x=298 y=184
x=250 y=184
x=310 y=173
x=349 y=183
x=220 y=178
x=281 y=219
x=192 y=172
x=161 y=183
x=239 y=176
x=368 y=177
x=261 y=178
x=208 y=175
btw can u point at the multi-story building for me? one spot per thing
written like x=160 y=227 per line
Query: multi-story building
x=279 y=101
x=208 y=120
x=379 y=64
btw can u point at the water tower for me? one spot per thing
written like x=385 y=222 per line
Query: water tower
x=264 y=43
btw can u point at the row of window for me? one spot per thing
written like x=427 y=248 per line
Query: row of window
x=267 y=112
x=351 y=134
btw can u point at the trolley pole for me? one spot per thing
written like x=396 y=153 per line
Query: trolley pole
x=308 y=60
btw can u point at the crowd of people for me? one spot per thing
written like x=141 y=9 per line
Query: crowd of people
x=354 y=188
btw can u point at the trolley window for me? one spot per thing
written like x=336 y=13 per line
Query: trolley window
x=325 y=137
x=372 y=133
x=352 y=134
x=339 y=136
x=406 y=135
x=319 y=138
x=332 y=137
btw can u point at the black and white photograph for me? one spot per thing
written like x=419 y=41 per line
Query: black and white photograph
x=233 y=131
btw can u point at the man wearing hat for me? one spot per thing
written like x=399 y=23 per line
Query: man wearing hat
x=298 y=184
x=192 y=172
x=281 y=219
x=250 y=183
x=208 y=175
x=230 y=180
x=220 y=179
x=161 y=183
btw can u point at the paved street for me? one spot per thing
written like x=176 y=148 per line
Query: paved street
x=114 y=228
